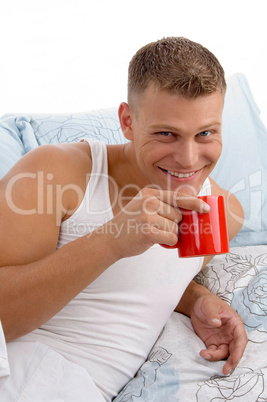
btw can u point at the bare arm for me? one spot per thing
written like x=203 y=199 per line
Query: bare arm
x=36 y=280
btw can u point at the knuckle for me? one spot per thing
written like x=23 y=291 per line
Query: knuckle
x=179 y=196
x=178 y=217
x=147 y=192
x=173 y=239
x=171 y=227
x=151 y=205
x=176 y=228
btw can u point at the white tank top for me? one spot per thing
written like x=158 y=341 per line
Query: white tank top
x=110 y=327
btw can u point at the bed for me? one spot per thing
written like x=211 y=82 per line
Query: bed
x=174 y=371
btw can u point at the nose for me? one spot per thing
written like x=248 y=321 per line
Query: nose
x=186 y=154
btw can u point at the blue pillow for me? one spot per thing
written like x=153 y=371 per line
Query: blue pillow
x=242 y=168
x=11 y=145
x=21 y=133
x=101 y=125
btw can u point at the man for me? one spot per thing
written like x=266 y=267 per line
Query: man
x=87 y=277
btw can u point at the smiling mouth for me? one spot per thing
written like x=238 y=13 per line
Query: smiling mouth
x=179 y=175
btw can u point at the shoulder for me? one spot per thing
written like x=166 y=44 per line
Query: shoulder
x=72 y=154
x=234 y=210
x=64 y=162
x=38 y=192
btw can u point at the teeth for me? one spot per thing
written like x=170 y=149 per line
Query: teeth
x=180 y=175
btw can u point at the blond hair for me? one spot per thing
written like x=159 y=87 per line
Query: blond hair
x=175 y=64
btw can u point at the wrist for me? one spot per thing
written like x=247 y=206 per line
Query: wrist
x=192 y=293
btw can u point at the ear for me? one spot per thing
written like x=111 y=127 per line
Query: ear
x=125 y=120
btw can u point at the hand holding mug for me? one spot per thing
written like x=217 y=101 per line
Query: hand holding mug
x=203 y=233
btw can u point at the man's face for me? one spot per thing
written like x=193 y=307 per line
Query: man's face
x=177 y=140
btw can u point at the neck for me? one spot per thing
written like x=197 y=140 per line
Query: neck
x=124 y=169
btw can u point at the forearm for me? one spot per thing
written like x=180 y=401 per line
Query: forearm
x=191 y=294
x=31 y=294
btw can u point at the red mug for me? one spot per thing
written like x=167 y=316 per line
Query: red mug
x=203 y=233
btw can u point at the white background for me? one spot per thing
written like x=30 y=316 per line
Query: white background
x=72 y=55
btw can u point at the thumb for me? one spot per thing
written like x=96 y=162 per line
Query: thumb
x=215 y=322
x=211 y=312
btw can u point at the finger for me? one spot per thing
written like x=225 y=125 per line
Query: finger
x=166 y=231
x=181 y=200
x=165 y=225
x=237 y=348
x=215 y=353
x=169 y=212
x=153 y=205
x=167 y=219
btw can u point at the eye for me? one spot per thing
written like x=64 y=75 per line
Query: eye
x=166 y=133
x=204 y=134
